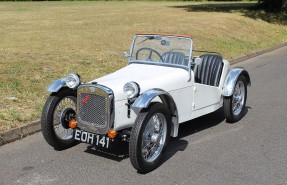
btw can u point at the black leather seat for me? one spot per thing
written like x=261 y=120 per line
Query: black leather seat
x=209 y=71
x=174 y=58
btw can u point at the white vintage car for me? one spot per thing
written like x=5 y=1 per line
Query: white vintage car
x=162 y=86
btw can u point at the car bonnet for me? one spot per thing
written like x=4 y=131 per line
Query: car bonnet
x=147 y=77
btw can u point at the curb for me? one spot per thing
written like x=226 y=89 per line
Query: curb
x=34 y=127
x=19 y=133
x=257 y=53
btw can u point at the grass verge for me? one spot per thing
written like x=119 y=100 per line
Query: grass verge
x=43 y=41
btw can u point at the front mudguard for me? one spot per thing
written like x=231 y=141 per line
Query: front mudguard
x=230 y=81
x=144 y=100
x=56 y=85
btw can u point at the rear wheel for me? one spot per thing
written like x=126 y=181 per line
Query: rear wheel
x=149 y=137
x=234 y=105
x=58 y=110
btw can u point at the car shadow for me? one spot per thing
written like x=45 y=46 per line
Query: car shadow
x=250 y=10
x=120 y=150
x=117 y=151
x=191 y=127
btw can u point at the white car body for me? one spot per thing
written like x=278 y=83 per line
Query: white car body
x=162 y=86
x=192 y=99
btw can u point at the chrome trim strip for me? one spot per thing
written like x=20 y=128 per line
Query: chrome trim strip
x=56 y=85
x=232 y=76
x=159 y=64
x=190 y=60
x=220 y=102
x=145 y=99
x=100 y=91
x=131 y=49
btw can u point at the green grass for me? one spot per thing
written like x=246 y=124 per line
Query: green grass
x=43 y=41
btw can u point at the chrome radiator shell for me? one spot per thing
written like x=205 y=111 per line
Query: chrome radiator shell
x=95 y=108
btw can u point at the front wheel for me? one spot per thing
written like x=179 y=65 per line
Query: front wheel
x=149 y=137
x=234 y=105
x=58 y=110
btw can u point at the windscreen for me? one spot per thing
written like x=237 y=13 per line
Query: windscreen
x=169 y=50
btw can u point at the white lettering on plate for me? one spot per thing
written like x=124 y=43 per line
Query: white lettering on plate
x=90 y=138
x=77 y=135
x=84 y=136
x=102 y=142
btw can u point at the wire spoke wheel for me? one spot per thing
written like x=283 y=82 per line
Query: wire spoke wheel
x=58 y=110
x=154 y=137
x=64 y=112
x=238 y=98
x=149 y=137
x=235 y=104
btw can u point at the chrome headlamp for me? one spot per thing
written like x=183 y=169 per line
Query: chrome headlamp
x=131 y=89
x=73 y=80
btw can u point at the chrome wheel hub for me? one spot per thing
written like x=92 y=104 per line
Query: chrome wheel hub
x=63 y=113
x=154 y=137
x=238 y=98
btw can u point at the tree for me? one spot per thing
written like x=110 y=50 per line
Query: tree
x=274 y=5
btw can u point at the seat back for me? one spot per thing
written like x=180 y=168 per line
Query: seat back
x=174 y=58
x=209 y=71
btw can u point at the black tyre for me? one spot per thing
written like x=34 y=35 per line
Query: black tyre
x=149 y=137
x=234 y=105
x=58 y=110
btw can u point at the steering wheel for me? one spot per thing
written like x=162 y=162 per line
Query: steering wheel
x=150 y=53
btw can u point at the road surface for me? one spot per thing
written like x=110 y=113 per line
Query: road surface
x=207 y=151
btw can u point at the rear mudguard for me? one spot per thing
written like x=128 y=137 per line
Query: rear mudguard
x=232 y=76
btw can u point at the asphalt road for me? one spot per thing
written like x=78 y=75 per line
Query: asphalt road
x=207 y=151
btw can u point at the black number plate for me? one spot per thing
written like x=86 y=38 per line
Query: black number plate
x=90 y=138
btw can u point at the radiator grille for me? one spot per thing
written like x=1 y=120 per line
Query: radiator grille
x=93 y=109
